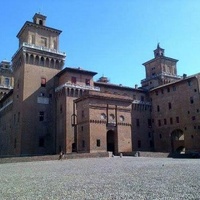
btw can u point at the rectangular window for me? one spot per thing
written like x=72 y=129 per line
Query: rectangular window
x=169 y=106
x=73 y=79
x=191 y=100
x=43 y=41
x=18 y=116
x=81 y=128
x=41 y=116
x=87 y=82
x=168 y=89
x=98 y=143
x=6 y=82
x=82 y=113
x=43 y=82
x=61 y=109
x=193 y=118
x=137 y=122
x=189 y=83
x=177 y=119
x=158 y=108
x=159 y=122
x=171 y=120
x=149 y=123
x=162 y=91
x=165 y=121
x=139 y=144
x=32 y=39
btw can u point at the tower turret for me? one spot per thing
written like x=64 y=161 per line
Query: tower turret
x=159 y=70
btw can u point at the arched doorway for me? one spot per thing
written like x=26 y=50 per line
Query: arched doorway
x=111 y=141
x=177 y=141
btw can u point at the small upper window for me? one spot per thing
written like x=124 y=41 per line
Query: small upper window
x=43 y=82
x=112 y=117
x=121 y=118
x=73 y=80
x=191 y=100
x=43 y=41
x=87 y=82
x=98 y=143
x=169 y=105
x=103 y=116
x=40 y=22
x=7 y=82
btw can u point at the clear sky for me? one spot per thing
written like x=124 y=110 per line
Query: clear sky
x=112 y=37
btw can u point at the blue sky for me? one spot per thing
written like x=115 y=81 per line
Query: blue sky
x=112 y=37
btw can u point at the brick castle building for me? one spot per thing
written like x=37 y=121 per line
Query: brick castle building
x=46 y=108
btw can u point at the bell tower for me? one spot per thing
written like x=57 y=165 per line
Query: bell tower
x=35 y=65
x=159 y=70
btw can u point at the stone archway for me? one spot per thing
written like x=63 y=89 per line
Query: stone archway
x=177 y=141
x=111 y=141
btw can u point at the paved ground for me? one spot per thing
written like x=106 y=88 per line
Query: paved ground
x=102 y=178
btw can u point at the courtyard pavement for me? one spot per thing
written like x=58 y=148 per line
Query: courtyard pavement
x=101 y=178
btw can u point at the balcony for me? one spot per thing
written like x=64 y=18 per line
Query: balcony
x=141 y=102
x=32 y=46
x=111 y=124
x=161 y=74
x=77 y=86
x=6 y=87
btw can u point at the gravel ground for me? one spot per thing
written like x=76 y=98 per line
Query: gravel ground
x=102 y=178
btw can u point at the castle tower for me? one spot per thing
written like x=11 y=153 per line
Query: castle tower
x=6 y=78
x=159 y=70
x=35 y=64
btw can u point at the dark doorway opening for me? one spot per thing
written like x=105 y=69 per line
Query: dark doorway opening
x=73 y=147
x=111 y=141
x=177 y=141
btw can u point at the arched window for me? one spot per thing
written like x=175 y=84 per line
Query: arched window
x=52 y=63
x=112 y=117
x=121 y=118
x=42 y=61
x=27 y=58
x=103 y=116
x=40 y=22
x=31 y=59
x=47 y=62
x=37 y=60
x=57 y=64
